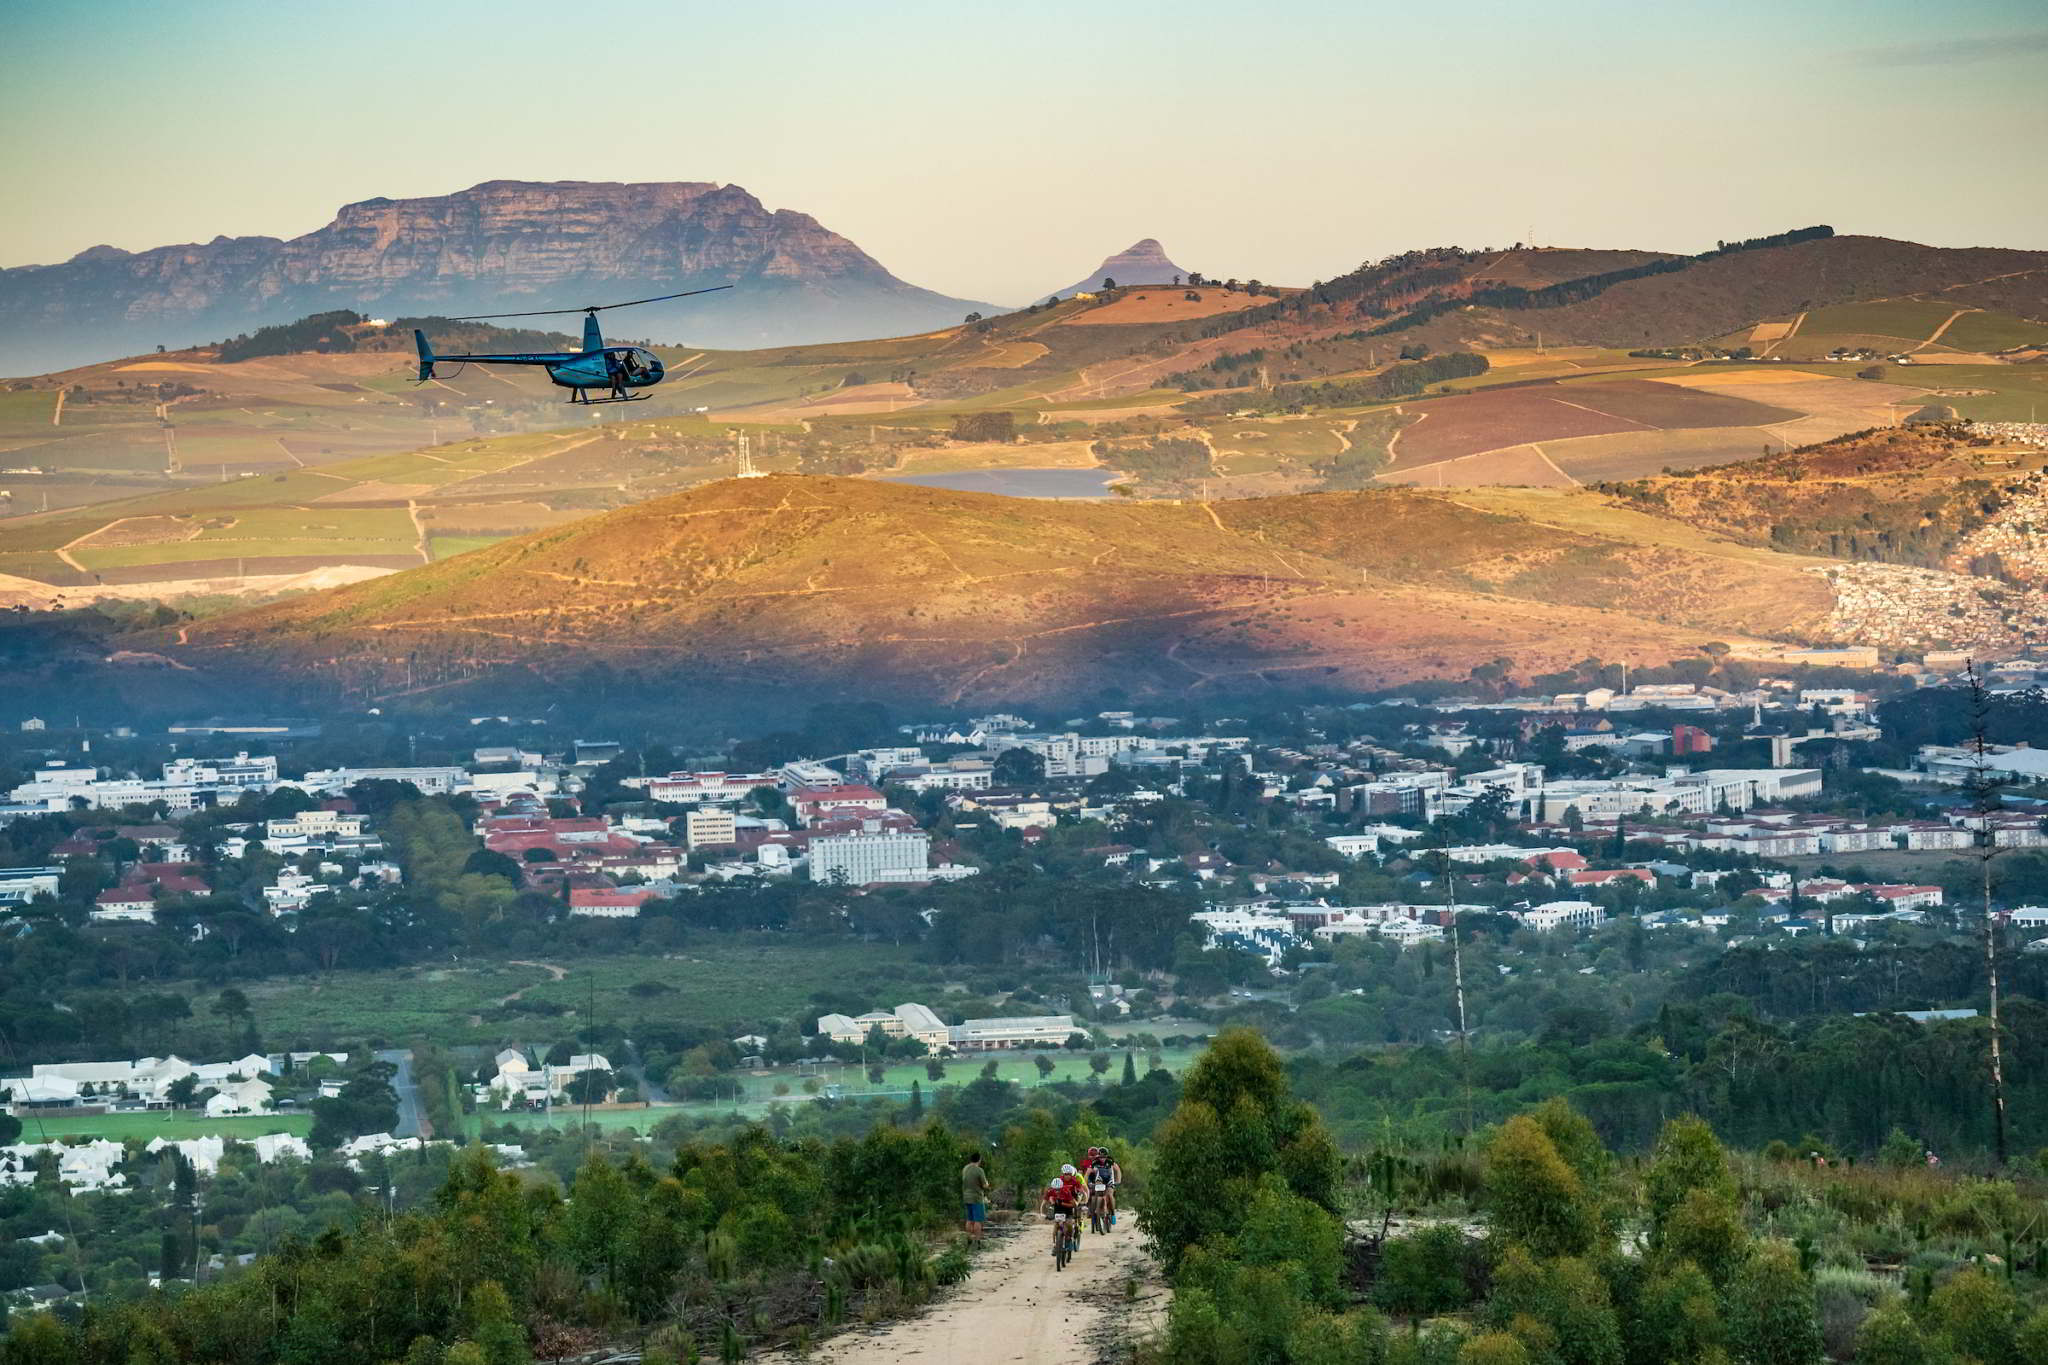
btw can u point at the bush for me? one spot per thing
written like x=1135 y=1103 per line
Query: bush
x=1424 y=1273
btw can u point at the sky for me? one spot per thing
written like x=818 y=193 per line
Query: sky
x=999 y=150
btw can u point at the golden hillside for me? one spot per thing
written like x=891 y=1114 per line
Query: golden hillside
x=821 y=583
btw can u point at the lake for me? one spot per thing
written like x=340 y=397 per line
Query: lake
x=1019 y=483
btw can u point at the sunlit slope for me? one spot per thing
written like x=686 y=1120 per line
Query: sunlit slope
x=812 y=583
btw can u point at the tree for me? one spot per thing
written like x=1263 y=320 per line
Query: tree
x=1098 y=1063
x=1130 y=1076
x=593 y=1086
x=973 y=317
x=182 y=1091
x=1044 y=1065
x=1534 y=1198
x=1771 y=1317
x=1108 y=283
x=1889 y=1336
x=1236 y=1123
x=1018 y=768
x=1979 y=1314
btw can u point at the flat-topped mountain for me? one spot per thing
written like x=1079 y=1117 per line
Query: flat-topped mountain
x=503 y=246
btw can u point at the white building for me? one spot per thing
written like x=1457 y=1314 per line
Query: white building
x=433 y=781
x=870 y=856
x=1354 y=846
x=19 y=885
x=1562 y=915
x=908 y=1020
x=987 y=1035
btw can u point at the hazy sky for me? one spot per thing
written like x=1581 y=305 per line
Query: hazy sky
x=998 y=150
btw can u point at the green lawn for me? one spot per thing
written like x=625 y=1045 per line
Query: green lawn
x=161 y=1123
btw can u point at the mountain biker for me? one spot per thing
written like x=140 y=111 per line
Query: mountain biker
x=1077 y=1193
x=1106 y=1174
x=1059 y=1199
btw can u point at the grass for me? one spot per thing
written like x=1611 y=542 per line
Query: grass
x=756 y=1094
x=1910 y=319
x=738 y=980
x=447 y=547
x=1993 y=332
x=163 y=1124
x=2015 y=393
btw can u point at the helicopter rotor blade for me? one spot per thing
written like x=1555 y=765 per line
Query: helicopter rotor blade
x=593 y=308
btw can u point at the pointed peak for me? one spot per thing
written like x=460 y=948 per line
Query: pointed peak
x=1142 y=262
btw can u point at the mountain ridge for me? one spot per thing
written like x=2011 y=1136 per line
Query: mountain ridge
x=500 y=246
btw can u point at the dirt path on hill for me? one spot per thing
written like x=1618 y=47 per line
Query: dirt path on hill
x=1015 y=1309
x=554 y=974
x=1946 y=323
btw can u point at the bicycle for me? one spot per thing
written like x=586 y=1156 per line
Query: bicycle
x=1065 y=1237
x=1099 y=1216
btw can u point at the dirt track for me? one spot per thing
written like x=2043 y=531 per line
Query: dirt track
x=1015 y=1309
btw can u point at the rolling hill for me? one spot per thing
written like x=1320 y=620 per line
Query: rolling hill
x=816 y=586
x=498 y=247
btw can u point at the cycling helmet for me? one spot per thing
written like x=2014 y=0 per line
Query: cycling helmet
x=1068 y=1169
x=1055 y=1185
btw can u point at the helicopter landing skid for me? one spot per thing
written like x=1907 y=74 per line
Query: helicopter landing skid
x=584 y=401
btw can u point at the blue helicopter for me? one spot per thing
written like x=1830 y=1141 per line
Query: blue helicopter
x=608 y=369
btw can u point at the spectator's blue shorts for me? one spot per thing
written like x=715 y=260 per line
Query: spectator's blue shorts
x=977 y=1213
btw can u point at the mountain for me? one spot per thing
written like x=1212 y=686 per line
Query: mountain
x=789 y=585
x=1143 y=262
x=503 y=246
x=1449 y=297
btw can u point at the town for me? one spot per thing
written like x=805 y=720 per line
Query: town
x=1177 y=874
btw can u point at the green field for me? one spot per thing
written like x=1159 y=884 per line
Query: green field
x=161 y=1123
x=447 y=547
x=729 y=979
x=752 y=1096
x=1908 y=319
x=2015 y=393
x=1993 y=332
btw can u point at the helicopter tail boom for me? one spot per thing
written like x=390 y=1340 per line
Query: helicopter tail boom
x=426 y=355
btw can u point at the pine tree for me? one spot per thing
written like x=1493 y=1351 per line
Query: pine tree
x=1130 y=1067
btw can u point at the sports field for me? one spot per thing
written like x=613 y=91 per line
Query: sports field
x=160 y=1123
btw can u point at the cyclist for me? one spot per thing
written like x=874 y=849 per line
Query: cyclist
x=1077 y=1194
x=1059 y=1199
x=1105 y=1173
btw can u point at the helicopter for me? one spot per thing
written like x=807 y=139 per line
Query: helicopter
x=608 y=369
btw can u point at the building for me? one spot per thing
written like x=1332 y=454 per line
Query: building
x=1562 y=915
x=991 y=1035
x=243 y=771
x=710 y=827
x=431 y=781
x=608 y=902
x=867 y=856
x=19 y=885
x=908 y=1020
x=813 y=804
x=1690 y=739
x=692 y=789
x=1353 y=846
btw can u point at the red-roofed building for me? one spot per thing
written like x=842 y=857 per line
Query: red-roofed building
x=1906 y=897
x=814 y=803
x=130 y=903
x=611 y=902
x=1556 y=860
